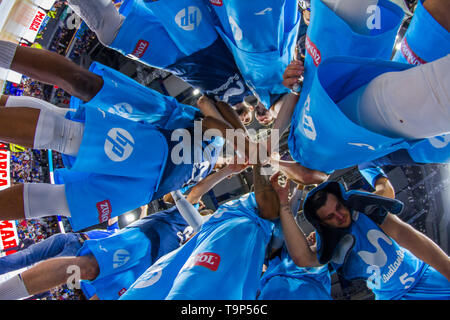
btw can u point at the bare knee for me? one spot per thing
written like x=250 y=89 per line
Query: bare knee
x=89 y=267
x=3 y=100
x=84 y=84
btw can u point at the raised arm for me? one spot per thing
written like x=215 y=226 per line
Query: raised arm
x=296 y=242
x=185 y=205
x=212 y=180
x=419 y=244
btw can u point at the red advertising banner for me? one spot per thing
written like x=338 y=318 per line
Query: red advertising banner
x=8 y=231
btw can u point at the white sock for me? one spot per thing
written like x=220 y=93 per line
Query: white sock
x=13 y=289
x=55 y=132
x=31 y=102
x=7 y=52
x=101 y=16
x=44 y=199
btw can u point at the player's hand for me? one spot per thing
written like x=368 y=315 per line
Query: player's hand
x=281 y=186
x=311 y=239
x=292 y=74
x=236 y=167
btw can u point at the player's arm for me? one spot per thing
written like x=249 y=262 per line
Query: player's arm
x=209 y=109
x=244 y=147
x=230 y=115
x=296 y=242
x=383 y=187
x=265 y=195
x=377 y=178
x=212 y=180
x=419 y=244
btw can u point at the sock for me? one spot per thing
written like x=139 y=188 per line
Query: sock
x=187 y=211
x=101 y=16
x=55 y=132
x=24 y=101
x=7 y=52
x=13 y=289
x=44 y=199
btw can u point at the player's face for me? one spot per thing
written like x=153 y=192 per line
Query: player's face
x=246 y=117
x=333 y=213
x=264 y=119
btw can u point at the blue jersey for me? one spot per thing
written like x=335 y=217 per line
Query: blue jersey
x=166 y=231
x=123 y=96
x=318 y=117
x=179 y=37
x=371 y=173
x=262 y=36
x=205 y=267
x=284 y=280
x=121 y=261
x=114 y=155
x=370 y=254
x=329 y=78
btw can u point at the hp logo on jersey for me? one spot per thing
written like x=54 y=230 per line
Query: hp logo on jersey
x=189 y=18
x=120 y=258
x=122 y=109
x=119 y=144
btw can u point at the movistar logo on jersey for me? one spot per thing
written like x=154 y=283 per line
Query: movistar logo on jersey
x=119 y=144
x=440 y=142
x=189 y=18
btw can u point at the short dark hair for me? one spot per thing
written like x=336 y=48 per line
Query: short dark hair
x=319 y=199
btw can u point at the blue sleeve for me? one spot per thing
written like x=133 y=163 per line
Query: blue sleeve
x=114 y=227
x=371 y=172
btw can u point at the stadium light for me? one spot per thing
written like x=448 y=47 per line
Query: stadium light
x=196 y=92
x=130 y=218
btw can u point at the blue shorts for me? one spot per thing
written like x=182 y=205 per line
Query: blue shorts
x=113 y=171
x=121 y=262
x=432 y=286
x=163 y=32
x=261 y=53
x=122 y=96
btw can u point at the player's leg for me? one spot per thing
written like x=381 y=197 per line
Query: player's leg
x=49 y=274
x=32 y=201
x=101 y=16
x=40 y=129
x=42 y=250
x=31 y=102
x=50 y=67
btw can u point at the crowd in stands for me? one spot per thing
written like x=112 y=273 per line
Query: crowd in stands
x=28 y=166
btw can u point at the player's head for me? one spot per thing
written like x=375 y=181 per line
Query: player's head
x=306 y=14
x=245 y=112
x=263 y=115
x=327 y=207
x=206 y=212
